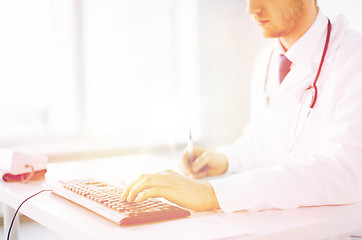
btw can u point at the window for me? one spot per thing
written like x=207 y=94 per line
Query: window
x=96 y=69
x=37 y=93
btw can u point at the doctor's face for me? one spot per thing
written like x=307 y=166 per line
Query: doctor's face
x=277 y=18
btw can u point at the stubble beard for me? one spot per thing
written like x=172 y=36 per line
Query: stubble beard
x=290 y=19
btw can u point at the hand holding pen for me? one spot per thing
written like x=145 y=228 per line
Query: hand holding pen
x=190 y=149
x=200 y=162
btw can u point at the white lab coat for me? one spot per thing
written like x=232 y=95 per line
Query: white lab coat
x=325 y=165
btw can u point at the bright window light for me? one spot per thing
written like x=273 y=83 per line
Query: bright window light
x=141 y=69
x=99 y=68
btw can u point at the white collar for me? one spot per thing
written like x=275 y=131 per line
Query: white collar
x=305 y=48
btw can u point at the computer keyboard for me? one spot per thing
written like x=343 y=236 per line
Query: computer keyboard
x=105 y=200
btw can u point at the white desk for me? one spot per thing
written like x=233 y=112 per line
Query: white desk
x=75 y=222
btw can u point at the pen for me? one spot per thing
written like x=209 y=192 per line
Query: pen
x=190 y=148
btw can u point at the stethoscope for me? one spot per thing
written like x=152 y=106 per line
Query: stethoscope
x=309 y=95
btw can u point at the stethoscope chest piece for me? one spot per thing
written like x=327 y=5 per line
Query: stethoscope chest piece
x=266 y=98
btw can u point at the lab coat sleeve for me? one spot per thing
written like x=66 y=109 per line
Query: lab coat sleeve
x=329 y=177
x=242 y=149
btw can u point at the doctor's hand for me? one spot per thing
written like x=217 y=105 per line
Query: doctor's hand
x=204 y=163
x=175 y=188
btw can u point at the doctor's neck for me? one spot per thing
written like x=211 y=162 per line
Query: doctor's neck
x=301 y=26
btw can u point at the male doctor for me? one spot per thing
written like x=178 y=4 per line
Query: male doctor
x=303 y=144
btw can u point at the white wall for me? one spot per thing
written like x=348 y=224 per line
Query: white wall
x=351 y=9
x=229 y=42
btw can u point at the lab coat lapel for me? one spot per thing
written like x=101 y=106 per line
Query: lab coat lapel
x=300 y=79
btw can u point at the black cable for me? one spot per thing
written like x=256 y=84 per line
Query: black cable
x=17 y=210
